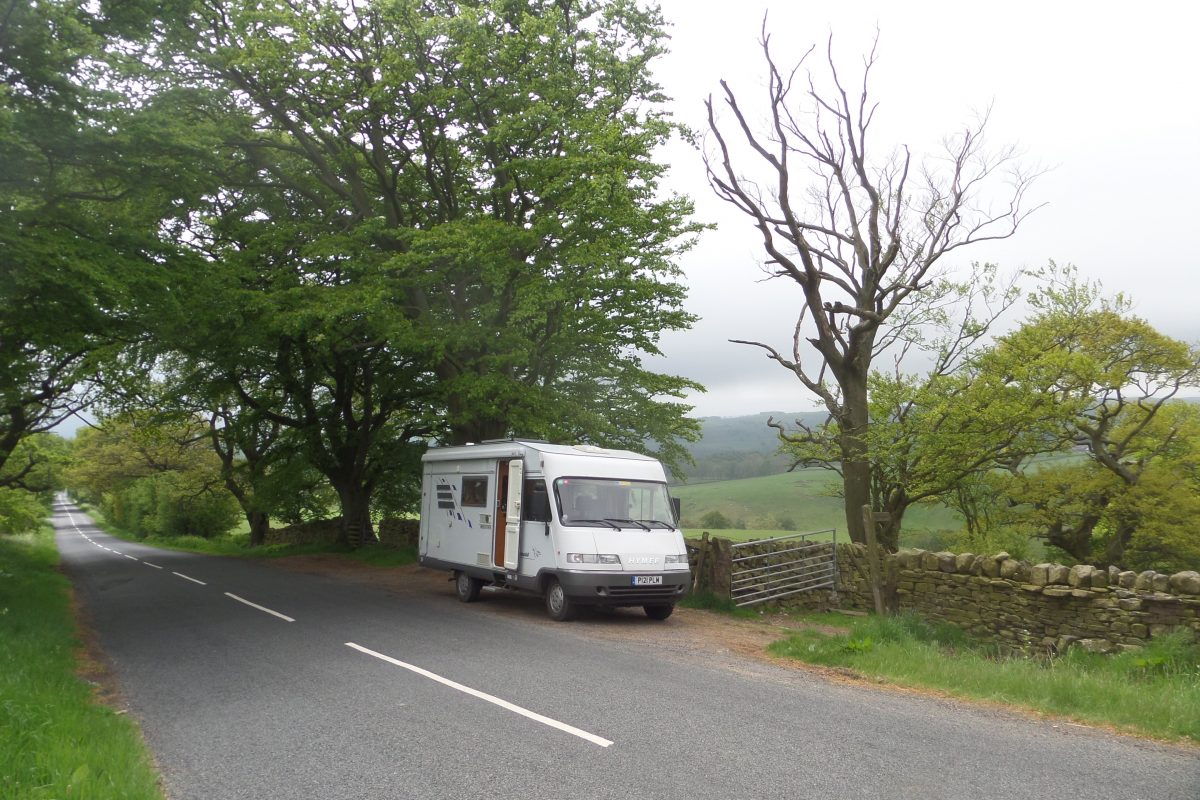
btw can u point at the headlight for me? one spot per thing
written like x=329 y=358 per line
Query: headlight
x=679 y=559
x=592 y=558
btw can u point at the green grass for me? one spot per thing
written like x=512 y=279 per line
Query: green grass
x=739 y=535
x=804 y=498
x=237 y=543
x=1153 y=691
x=55 y=740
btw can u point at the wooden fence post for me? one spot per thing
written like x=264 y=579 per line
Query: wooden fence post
x=869 y=520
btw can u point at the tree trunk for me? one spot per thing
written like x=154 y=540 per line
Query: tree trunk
x=856 y=465
x=1114 y=549
x=260 y=523
x=355 y=529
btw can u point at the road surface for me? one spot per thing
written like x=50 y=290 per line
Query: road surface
x=252 y=681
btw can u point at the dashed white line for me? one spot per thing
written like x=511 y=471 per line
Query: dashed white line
x=129 y=556
x=186 y=578
x=553 y=723
x=148 y=564
x=284 y=617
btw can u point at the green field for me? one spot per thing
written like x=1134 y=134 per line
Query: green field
x=801 y=501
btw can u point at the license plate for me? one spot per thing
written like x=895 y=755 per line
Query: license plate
x=647 y=580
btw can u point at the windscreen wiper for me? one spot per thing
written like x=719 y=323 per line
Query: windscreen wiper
x=634 y=521
x=666 y=525
x=604 y=521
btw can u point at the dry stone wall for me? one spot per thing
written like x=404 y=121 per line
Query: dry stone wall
x=392 y=532
x=1020 y=605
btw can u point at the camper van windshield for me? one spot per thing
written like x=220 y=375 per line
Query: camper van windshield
x=607 y=503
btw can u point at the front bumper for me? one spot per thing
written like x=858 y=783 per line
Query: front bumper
x=589 y=587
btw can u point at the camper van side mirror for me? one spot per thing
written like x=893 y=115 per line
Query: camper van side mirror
x=675 y=508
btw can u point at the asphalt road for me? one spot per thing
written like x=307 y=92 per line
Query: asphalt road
x=326 y=688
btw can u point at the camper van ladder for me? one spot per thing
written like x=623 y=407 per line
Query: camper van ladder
x=767 y=569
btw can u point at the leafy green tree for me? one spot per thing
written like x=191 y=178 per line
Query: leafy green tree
x=1120 y=377
x=151 y=477
x=87 y=176
x=434 y=221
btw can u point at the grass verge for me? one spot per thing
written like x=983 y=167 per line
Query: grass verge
x=707 y=601
x=55 y=740
x=238 y=544
x=1153 y=691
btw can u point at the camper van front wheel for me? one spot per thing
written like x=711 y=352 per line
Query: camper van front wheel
x=467 y=587
x=658 y=612
x=558 y=605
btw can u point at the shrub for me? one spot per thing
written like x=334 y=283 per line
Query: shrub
x=20 y=511
x=715 y=520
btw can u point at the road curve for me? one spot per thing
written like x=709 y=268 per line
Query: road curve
x=255 y=682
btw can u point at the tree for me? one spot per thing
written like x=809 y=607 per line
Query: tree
x=87 y=175
x=932 y=434
x=1120 y=377
x=152 y=477
x=861 y=236
x=491 y=165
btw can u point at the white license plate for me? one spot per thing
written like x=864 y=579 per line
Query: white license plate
x=647 y=580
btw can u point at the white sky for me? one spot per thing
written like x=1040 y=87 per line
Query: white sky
x=1106 y=95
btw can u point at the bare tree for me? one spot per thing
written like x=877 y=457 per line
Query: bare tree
x=860 y=235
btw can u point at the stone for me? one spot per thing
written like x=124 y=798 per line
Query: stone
x=1009 y=568
x=1080 y=575
x=1099 y=579
x=1127 y=578
x=1039 y=574
x=1130 y=603
x=1080 y=593
x=929 y=561
x=1054 y=591
x=1058 y=574
x=1113 y=574
x=1096 y=645
x=991 y=568
x=1064 y=642
x=909 y=558
x=1139 y=630
x=963 y=562
x=1002 y=555
x=1162 y=583
x=1145 y=581
x=1000 y=584
x=1186 y=582
x=945 y=561
x=1031 y=587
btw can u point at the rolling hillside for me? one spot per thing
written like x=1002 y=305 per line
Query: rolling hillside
x=800 y=501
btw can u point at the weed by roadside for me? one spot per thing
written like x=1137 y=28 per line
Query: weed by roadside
x=707 y=601
x=1155 y=690
x=55 y=740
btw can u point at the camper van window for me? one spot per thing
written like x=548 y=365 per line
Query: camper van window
x=537 y=502
x=607 y=503
x=474 y=491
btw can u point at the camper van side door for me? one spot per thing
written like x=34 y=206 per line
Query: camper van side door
x=512 y=525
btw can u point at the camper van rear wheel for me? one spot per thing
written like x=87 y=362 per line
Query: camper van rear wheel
x=658 y=612
x=467 y=587
x=558 y=604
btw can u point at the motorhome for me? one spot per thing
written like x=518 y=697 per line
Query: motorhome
x=577 y=524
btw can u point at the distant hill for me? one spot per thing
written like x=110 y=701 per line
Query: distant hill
x=742 y=447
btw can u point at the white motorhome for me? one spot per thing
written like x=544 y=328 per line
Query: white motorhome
x=579 y=525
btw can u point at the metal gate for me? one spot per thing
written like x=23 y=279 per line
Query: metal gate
x=767 y=569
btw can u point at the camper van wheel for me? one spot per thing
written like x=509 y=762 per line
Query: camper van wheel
x=658 y=612
x=467 y=587
x=558 y=605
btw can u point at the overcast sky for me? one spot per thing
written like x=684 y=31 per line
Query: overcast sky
x=1104 y=94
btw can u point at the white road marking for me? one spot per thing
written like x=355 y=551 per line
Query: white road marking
x=553 y=723
x=148 y=564
x=186 y=578
x=284 y=617
x=129 y=556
